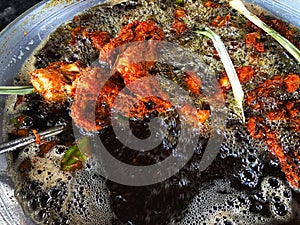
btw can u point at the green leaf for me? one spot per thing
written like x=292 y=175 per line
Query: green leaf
x=179 y=1
x=76 y=156
x=230 y=70
x=16 y=90
x=14 y=121
x=240 y=7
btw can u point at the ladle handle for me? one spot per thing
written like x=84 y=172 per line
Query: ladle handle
x=21 y=142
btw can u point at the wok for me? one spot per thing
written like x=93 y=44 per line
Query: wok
x=28 y=31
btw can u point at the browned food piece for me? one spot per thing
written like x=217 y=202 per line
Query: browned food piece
x=225 y=83
x=255 y=131
x=289 y=164
x=76 y=31
x=287 y=111
x=55 y=81
x=276 y=115
x=92 y=99
x=194 y=115
x=253 y=98
x=193 y=82
x=244 y=73
x=292 y=82
x=211 y=4
x=132 y=64
x=99 y=39
x=179 y=27
x=179 y=13
x=253 y=40
x=143 y=98
x=37 y=137
x=220 y=21
x=135 y=31
x=96 y=93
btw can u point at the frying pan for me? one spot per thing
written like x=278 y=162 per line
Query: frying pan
x=27 y=32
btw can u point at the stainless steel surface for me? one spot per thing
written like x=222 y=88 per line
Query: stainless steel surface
x=21 y=37
x=288 y=10
x=22 y=142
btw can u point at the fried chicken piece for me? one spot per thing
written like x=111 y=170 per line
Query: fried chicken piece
x=55 y=81
x=135 y=31
x=132 y=64
x=97 y=90
x=93 y=98
x=143 y=97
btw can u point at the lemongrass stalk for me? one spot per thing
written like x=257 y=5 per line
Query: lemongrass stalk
x=16 y=90
x=240 y=7
x=230 y=70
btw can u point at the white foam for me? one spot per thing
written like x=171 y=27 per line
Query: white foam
x=219 y=203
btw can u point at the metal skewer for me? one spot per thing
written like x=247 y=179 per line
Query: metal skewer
x=21 y=142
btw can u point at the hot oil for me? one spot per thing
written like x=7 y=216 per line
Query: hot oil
x=244 y=184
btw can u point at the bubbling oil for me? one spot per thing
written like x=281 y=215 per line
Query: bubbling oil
x=244 y=185
x=51 y=196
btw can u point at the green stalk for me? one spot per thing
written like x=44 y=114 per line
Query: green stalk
x=230 y=70
x=240 y=7
x=16 y=90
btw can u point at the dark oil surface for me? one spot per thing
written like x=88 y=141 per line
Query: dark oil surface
x=244 y=162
